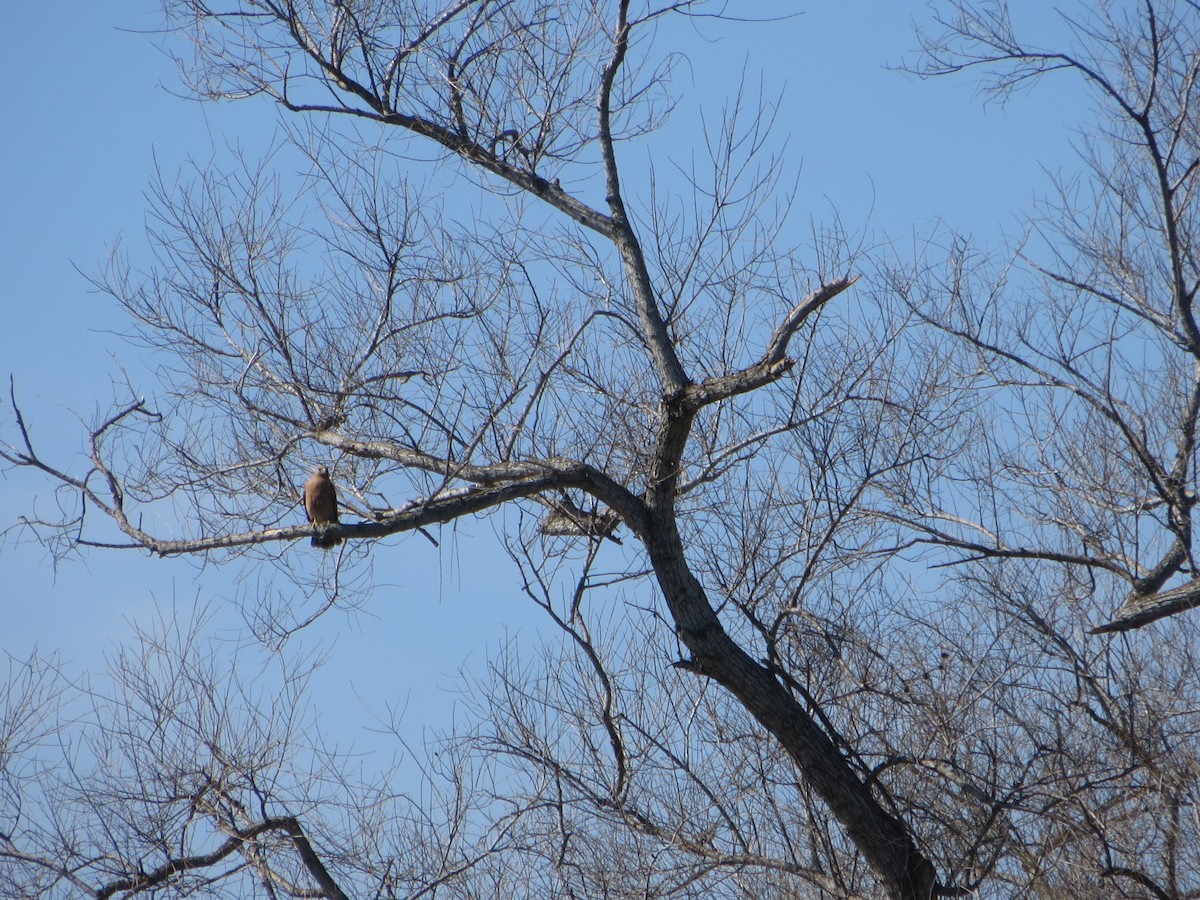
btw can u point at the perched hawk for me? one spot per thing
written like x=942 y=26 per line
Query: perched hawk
x=320 y=504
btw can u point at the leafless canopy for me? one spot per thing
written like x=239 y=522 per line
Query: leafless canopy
x=1098 y=366
x=821 y=558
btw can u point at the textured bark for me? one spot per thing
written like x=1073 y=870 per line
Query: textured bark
x=1141 y=609
x=882 y=838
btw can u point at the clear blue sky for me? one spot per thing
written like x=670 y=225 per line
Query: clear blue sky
x=92 y=109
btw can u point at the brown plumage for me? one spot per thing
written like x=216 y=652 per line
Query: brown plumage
x=320 y=505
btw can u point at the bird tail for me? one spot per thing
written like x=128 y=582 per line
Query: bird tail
x=325 y=542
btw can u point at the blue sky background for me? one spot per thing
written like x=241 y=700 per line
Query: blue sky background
x=94 y=106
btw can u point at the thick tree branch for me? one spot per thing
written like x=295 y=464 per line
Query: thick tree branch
x=569 y=473
x=882 y=838
x=237 y=842
x=1141 y=609
x=654 y=328
x=774 y=362
x=435 y=511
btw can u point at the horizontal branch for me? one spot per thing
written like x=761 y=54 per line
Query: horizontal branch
x=438 y=465
x=936 y=537
x=567 y=473
x=435 y=511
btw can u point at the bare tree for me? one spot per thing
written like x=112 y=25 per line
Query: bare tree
x=717 y=469
x=1103 y=348
x=564 y=360
x=1074 y=495
x=177 y=775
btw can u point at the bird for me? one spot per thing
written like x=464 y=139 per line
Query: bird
x=320 y=505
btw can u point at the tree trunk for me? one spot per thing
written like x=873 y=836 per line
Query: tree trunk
x=881 y=837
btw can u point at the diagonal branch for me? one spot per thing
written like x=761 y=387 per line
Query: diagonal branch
x=774 y=362
x=148 y=881
x=1142 y=609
